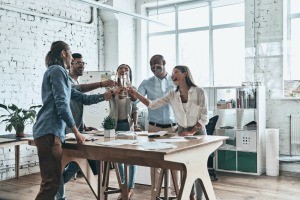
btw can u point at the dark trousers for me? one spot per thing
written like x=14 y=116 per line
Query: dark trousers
x=50 y=155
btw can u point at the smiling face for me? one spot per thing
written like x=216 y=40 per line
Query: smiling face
x=123 y=69
x=159 y=70
x=77 y=67
x=178 y=77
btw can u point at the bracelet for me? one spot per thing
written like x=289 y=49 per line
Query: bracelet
x=100 y=84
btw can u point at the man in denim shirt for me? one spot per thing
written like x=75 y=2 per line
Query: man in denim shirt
x=160 y=119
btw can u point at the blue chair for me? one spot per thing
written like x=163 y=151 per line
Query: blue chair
x=210 y=128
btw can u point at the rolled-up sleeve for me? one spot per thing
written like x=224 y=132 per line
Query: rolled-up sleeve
x=61 y=93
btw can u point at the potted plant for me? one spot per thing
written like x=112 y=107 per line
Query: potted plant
x=109 y=124
x=18 y=118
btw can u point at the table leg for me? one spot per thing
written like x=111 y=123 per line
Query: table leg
x=196 y=167
x=17 y=161
x=87 y=172
x=166 y=184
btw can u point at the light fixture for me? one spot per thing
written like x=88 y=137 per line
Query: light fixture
x=114 y=10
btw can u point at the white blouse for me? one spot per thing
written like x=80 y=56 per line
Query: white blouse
x=196 y=107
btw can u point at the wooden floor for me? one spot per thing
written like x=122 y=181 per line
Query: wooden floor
x=228 y=187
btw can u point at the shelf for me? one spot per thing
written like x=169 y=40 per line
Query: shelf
x=242 y=152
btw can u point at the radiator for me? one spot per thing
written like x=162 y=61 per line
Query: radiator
x=295 y=129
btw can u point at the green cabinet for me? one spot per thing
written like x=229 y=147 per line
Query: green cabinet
x=227 y=160
x=247 y=162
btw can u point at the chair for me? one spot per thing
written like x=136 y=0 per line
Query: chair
x=210 y=128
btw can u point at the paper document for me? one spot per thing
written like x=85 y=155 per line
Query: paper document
x=171 y=140
x=121 y=133
x=156 y=145
x=96 y=132
x=71 y=136
x=117 y=142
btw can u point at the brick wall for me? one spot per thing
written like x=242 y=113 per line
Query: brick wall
x=264 y=40
x=24 y=42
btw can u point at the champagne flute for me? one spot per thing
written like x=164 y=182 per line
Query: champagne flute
x=125 y=81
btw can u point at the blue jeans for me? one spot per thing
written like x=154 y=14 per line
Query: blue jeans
x=132 y=174
x=124 y=126
x=67 y=174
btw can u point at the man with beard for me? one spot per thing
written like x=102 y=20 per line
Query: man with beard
x=160 y=119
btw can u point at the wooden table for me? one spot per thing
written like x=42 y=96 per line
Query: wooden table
x=189 y=157
x=9 y=140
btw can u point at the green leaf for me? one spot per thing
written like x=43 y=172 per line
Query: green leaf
x=13 y=107
x=3 y=106
x=34 y=107
x=8 y=127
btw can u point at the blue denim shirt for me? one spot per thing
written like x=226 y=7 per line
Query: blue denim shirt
x=152 y=87
x=56 y=96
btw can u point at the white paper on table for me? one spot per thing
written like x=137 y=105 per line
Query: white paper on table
x=71 y=136
x=171 y=140
x=159 y=133
x=156 y=145
x=120 y=133
x=117 y=142
x=96 y=132
x=142 y=133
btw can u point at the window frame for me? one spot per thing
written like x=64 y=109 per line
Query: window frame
x=210 y=28
x=290 y=17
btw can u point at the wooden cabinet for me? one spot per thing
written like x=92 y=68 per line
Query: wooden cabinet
x=242 y=117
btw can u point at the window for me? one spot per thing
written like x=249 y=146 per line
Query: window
x=292 y=71
x=208 y=37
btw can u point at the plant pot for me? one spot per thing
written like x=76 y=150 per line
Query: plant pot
x=109 y=133
x=20 y=134
x=19 y=130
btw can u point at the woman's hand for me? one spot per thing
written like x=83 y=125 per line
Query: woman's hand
x=131 y=90
x=136 y=128
x=187 y=133
x=108 y=83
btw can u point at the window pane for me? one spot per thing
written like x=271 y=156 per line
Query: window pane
x=194 y=17
x=164 y=45
x=229 y=56
x=295 y=6
x=295 y=49
x=166 y=18
x=194 y=53
x=228 y=14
